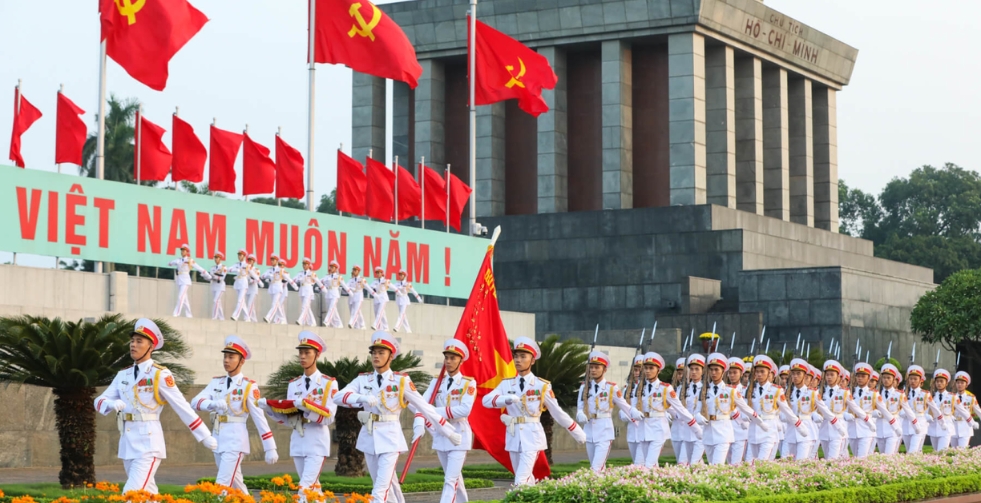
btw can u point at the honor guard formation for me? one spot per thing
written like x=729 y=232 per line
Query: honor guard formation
x=718 y=409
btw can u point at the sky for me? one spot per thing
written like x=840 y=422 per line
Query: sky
x=912 y=99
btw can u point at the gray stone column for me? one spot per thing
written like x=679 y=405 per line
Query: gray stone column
x=618 y=157
x=431 y=112
x=553 y=146
x=367 y=117
x=825 y=158
x=801 y=152
x=776 y=149
x=686 y=117
x=720 y=126
x=749 y=135
x=490 y=160
x=402 y=124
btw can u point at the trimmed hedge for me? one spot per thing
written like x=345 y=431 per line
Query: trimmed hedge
x=892 y=493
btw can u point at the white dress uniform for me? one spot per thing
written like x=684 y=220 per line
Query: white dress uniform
x=689 y=449
x=655 y=401
x=255 y=281
x=633 y=426
x=806 y=404
x=677 y=427
x=924 y=411
x=720 y=408
x=241 y=271
x=139 y=394
x=524 y=398
x=942 y=428
x=383 y=396
x=964 y=423
x=379 y=297
x=770 y=403
x=231 y=401
x=402 y=290
x=355 y=297
x=332 y=285
x=454 y=401
x=182 y=278
x=740 y=426
x=278 y=280
x=218 y=272
x=306 y=280
x=833 y=434
x=594 y=407
x=861 y=436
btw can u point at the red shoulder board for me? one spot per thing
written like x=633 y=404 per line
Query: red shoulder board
x=295 y=379
x=364 y=373
x=250 y=380
x=217 y=377
x=403 y=374
x=611 y=383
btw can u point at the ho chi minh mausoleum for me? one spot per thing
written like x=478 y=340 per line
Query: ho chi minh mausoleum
x=687 y=169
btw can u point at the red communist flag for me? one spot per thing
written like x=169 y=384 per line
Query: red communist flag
x=380 y=200
x=224 y=150
x=359 y=35
x=142 y=35
x=490 y=362
x=151 y=157
x=189 y=153
x=410 y=199
x=459 y=196
x=69 y=132
x=435 y=195
x=351 y=185
x=23 y=119
x=506 y=69
x=289 y=170
x=258 y=169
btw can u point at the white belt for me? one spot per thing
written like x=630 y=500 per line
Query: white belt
x=137 y=416
x=384 y=418
x=654 y=414
x=768 y=417
x=233 y=419
x=458 y=420
x=527 y=419
x=600 y=415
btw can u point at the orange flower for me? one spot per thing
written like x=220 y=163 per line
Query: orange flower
x=1 y=493
x=358 y=498
x=23 y=499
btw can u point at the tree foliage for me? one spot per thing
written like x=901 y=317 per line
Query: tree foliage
x=285 y=203
x=328 y=203
x=951 y=314
x=118 y=145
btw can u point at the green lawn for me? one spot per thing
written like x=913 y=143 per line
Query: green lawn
x=53 y=490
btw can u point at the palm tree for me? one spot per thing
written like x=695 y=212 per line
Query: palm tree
x=202 y=189
x=350 y=461
x=285 y=203
x=73 y=358
x=563 y=365
x=118 y=144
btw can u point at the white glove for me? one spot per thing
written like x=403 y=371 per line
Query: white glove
x=975 y=425
x=578 y=435
x=210 y=443
x=943 y=424
x=506 y=419
x=870 y=423
x=262 y=403
x=801 y=428
x=762 y=424
x=919 y=426
x=581 y=417
x=300 y=406
x=896 y=428
x=700 y=419
x=272 y=457
x=119 y=405
x=698 y=430
x=509 y=399
x=418 y=430
x=841 y=428
x=848 y=416
x=369 y=400
x=636 y=415
x=219 y=407
x=745 y=425
x=455 y=439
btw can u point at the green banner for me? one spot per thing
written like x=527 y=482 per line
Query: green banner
x=83 y=218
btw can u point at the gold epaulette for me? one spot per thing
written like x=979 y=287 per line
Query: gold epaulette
x=544 y=381
x=158 y=366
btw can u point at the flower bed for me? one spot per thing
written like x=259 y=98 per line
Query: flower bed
x=203 y=492
x=414 y=483
x=922 y=475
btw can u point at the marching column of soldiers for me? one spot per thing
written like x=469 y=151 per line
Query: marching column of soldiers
x=710 y=413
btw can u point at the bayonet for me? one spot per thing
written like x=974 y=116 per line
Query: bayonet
x=732 y=342
x=783 y=352
x=808 y=351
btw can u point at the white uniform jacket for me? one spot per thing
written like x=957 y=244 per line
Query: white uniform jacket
x=183 y=266
x=525 y=431
x=723 y=405
x=454 y=401
x=230 y=428
x=654 y=401
x=769 y=402
x=598 y=408
x=315 y=440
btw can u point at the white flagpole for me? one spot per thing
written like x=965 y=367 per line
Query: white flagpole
x=447 y=221
x=396 y=170
x=17 y=94
x=61 y=90
x=422 y=172
x=100 y=139
x=473 y=115
x=339 y=213
x=139 y=141
x=245 y=132
x=279 y=132
x=310 y=111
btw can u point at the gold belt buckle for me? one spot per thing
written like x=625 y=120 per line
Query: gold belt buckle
x=128 y=416
x=222 y=419
x=713 y=418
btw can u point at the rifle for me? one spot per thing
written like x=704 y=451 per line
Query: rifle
x=684 y=368
x=640 y=347
x=732 y=342
x=808 y=351
x=936 y=364
x=585 y=376
x=912 y=356
x=783 y=353
x=794 y=354
x=958 y=363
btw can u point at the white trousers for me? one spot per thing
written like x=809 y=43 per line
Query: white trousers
x=797 y=450
x=333 y=318
x=403 y=321
x=230 y=470
x=218 y=309
x=308 y=468
x=832 y=448
x=386 y=486
x=888 y=445
x=632 y=446
x=381 y=319
x=182 y=301
x=250 y=300
x=275 y=313
x=524 y=467
x=737 y=452
x=597 y=452
x=140 y=474
x=649 y=452
x=940 y=443
x=717 y=453
x=354 y=305
x=690 y=452
x=761 y=451
x=453 y=489
x=241 y=304
x=960 y=442
x=306 y=312
x=862 y=447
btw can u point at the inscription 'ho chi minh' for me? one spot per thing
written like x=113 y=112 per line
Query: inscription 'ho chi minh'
x=783 y=34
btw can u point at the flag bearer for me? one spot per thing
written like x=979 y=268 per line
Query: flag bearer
x=355 y=297
x=182 y=277
x=964 y=424
x=332 y=284
x=379 y=297
x=218 y=272
x=595 y=410
x=655 y=401
x=720 y=406
x=241 y=271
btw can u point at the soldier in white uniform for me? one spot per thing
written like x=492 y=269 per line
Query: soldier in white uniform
x=805 y=403
x=306 y=280
x=332 y=284
x=255 y=281
x=383 y=394
x=525 y=397
x=870 y=402
x=228 y=398
x=634 y=426
x=769 y=402
x=279 y=283
x=241 y=271
x=740 y=428
x=454 y=401
x=595 y=410
x=924 y=410
x=355 y=297
x=964 y=424
x=678 y=427
x=834 y=432
x=895 y=401
x=379 y=297
x=138 y=395
x=720 y=406
x=312 y=396
x=182 y=277
x=655 y=401
x=942 y=428
x=218 y=272
x=402 y=290
x=689 y=449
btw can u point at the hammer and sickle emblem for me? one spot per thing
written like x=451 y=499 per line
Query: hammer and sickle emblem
x=362 y=28
x=129 y=8
x=516 y=79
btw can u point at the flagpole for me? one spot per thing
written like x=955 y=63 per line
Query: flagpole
x=310 y=111
x=61 y=90
x=396 y=170
x=447 y=221
x=473 y=116
x=139 y=141
x=245 y=132
x=100 y=139
x=422 y=172
x=17 y=95
x=214 y=122
x=339 y=213
x=279 y=132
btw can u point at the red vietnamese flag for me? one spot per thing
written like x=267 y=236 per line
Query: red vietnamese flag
x=490 y=362
x=151 y=157
x=289 y=170
x=351 y=185
x=258 y=169
x=143 y=35
x=189 y=153
x=69 y=132
x=410 y=198
x=380 y=199
x=435 y=195
x=459 y=196
x=224 y=150
x=23 y=119
x=506 y=69
x=359 y=35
